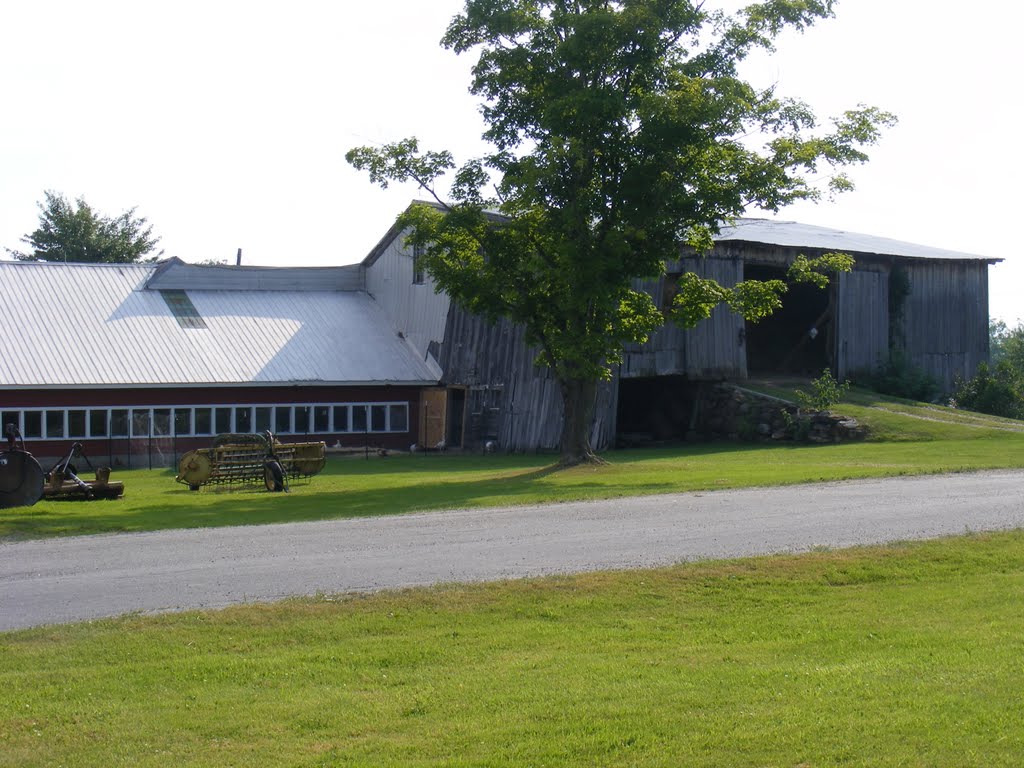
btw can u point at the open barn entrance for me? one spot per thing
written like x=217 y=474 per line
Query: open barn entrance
x=797 y=339
x=654 y=410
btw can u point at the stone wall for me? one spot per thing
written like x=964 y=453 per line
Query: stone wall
x=727 y=412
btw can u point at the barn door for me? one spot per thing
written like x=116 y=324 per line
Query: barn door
x=862 y=327
x=433 y=404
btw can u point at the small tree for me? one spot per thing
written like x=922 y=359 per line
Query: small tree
x=620 y=130
x=77 y=233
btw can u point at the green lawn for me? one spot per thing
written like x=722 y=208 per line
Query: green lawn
x=909 y=655
x=907 y=439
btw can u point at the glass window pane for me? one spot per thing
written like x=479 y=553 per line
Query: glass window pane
x=341 y=418
x=243 y=419
x=301 y=418
x=119 y=423
x=140 y=422
x=204 y=421
x=359 y=423
x=183 y=421
x=33 y=426
x=76 y=423
x=399 y=418
x=263 y=418
x=378 y=418
x=8 y=417
x=55 y=424
x=321 y=418
x=283 y=419
x=223 y=420
x=162 y=421
x=98 y=423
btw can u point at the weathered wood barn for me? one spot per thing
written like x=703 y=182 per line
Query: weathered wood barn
x=142 y=362
x=929 y=304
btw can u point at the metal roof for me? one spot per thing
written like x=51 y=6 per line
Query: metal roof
x=796 y=235
x=177 y=274
x=97 y=325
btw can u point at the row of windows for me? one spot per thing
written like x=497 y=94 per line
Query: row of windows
x=161 y=421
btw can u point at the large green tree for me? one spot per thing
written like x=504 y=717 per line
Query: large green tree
x=620 y=130
x=75 y=232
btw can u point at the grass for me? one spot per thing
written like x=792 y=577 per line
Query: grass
x=907 y=438
x=908 y=655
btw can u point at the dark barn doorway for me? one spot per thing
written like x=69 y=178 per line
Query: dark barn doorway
x=798 y=338
x=654 y=410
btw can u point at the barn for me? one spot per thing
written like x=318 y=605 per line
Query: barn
x=141 y=362
x=928 y=304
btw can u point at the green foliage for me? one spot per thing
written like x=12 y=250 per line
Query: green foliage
x=77 y=233
x=900 y=378
x=818 y=270
x=1007 y=344
x=825 y=392
x=997 y=390
x=619 y=131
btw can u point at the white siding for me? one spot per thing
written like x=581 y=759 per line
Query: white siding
x=416 y=310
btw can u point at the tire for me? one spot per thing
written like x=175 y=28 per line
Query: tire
x=273 y=476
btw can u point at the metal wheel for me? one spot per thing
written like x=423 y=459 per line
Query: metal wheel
x=273 y=476
x=194 y=469
x=21 y=479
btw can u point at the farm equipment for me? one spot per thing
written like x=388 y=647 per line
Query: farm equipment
x=250 y=459
x=23 y=483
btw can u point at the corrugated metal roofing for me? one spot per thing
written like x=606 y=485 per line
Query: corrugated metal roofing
x=177 y=274
x=796 y=235
x=98 y=326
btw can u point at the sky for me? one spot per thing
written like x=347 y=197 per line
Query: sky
x=226 y=123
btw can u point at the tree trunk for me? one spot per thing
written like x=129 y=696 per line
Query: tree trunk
x=578 y=397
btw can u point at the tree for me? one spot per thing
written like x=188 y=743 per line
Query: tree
x=620 y=130
x=77 y=233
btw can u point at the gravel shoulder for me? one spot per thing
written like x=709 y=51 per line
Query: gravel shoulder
x=74 y=579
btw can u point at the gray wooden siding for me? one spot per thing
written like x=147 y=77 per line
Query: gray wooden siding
x=945 y=319
x=862 y=321
x=509 y=399
x=712 y=350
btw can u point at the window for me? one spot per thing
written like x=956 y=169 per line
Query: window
x=141 y=423
x=183 y=309
x=204 y=421
x=341 y=418
x=321 y=418
x=669 y=289
x=301 y=419
x=162 y=421
x=378 y=418
x=33 y=426
x=98 y=423
x=55 y=424
x=243 y=419
x=223 y=420
x=283 y=419
x=359 y=418
x=417 y=264
x=183 y=421
x=263 y=418
x=9 y=417
x=76 y=423
x=119 y=422
x=399 y=421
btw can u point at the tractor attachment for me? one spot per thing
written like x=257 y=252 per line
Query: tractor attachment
x=250 y=459
x=63 y=482
x=21 y=477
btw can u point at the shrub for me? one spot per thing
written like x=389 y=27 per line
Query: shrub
x=899 y=378
x=825 y=392
x=996 y=390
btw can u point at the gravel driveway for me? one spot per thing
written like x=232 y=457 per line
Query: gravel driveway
x=63 y=580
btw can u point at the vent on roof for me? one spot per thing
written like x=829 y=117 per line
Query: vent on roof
x=183 y=309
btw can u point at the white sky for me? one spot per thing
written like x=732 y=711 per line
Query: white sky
x=226 y=123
